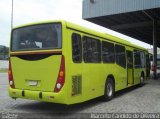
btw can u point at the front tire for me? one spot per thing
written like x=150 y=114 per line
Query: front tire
x=109 y=90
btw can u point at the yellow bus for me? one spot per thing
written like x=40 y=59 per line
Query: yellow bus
x=60 y=62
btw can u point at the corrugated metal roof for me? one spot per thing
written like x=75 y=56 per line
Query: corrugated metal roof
x=125 y=16
x=110 y=7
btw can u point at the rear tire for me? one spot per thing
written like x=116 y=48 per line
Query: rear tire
x=109 y=90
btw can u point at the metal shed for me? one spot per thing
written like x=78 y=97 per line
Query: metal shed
x=138 y=19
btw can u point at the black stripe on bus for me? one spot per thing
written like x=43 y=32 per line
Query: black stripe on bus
x=34 y=57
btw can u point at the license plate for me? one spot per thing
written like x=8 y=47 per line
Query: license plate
x=33 y=83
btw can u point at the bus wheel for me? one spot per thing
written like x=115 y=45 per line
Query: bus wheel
x=109 y=90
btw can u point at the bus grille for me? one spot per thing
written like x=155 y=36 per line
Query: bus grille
x=76 y=85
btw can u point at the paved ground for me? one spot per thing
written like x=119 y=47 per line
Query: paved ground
x=144 y=99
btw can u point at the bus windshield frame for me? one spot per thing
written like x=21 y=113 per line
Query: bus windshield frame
x=46 y=36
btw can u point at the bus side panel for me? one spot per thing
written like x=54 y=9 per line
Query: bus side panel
x=120 y=78
x=137 y=74
x=72 y=69
x=141 y=67
x=91 y=75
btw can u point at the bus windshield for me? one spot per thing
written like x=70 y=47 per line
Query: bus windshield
x=37 y=37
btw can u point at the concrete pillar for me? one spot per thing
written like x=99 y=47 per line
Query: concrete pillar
x=155 y=48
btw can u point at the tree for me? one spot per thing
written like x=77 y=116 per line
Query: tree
x=4 y=52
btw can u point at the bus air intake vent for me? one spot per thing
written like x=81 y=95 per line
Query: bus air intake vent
x=76 y=85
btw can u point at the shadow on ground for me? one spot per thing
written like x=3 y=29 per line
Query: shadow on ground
x=128 y=90
x=46 y=107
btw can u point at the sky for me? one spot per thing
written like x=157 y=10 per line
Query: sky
x=28 y=11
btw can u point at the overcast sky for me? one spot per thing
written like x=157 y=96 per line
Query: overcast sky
x=27 y=11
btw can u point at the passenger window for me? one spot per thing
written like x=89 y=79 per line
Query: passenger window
x=120 y=55
x=142 y=59
x=76 y=48
x=147 y=61
x=139 y=59
x=92 y=50
x=108 y=55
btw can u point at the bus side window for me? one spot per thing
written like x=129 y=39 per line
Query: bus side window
x=142 y=55
x=147 y=61
x=137 y=59
x=76 y=48
x=92 y=50
x=120 y=55
x=108 y=54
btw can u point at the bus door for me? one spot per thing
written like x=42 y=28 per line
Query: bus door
x=130 y=76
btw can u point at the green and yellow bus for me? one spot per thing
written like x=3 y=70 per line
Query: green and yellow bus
x=60 y=62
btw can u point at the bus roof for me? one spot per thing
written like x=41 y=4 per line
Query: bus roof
x=88 y=31
x=102 y=35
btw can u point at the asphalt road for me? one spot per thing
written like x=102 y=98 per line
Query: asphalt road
x=145 y=99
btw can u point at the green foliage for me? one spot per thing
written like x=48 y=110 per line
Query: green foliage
x=4 y=52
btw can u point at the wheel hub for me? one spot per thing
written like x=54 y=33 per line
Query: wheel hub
x=109 y=90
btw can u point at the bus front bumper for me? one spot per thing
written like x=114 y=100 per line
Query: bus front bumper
x=37 y=95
